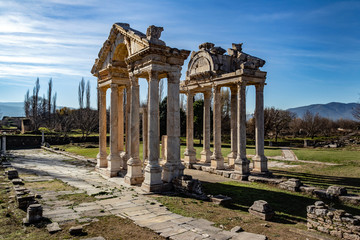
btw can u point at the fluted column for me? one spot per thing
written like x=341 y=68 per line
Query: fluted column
x=217 y=160
x=134 y=170
x=206 y=153
x=121 y=126
x=145 y=136
x=101 y=157
x=190 y=152
x=152 y=171
x=260 y=161
x=126 y=156
x=114 y=158
x=173 y=166
x=241 y=162
x=233 y=154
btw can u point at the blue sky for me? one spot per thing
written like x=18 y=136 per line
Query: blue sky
x=311 y=48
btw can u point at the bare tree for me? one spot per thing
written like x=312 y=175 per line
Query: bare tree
x=49 y=93
x=311 y=123
x=356 y=112
x=88 y=95
x=81 y=91
x=277 y=120
x=54 y=103
x=35 y=102
x=27 y=104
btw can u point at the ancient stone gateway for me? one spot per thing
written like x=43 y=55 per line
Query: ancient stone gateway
x=210 y=69
x=126 y=56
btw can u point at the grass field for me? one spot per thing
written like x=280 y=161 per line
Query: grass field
x=92 y=152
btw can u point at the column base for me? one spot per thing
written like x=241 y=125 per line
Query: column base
x=217 y=162
x=260 y=164
x=101 y=160
x=113 y=166
x=205 y=156
x=231 y=158
x=189 y=158
x=123 y=159
x=171 y=171
x=152 y=181
x=239 y=176
x=134 y=174
x=242 y=166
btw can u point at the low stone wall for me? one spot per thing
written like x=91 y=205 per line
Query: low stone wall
x=335 y=222
x=24 y=141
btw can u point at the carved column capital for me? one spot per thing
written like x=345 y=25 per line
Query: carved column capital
x=207 y=94
x=259 y=87
x=102 y=90
x=153 y=75
x=174 y=77
x=114 y=85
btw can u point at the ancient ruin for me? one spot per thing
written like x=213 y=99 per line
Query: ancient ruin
x=128 y=55
x=209 y=70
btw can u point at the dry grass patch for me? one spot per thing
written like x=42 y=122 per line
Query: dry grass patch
x=53 y=185
x=77 y=198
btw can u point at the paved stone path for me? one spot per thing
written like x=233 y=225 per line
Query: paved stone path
x=114 y=198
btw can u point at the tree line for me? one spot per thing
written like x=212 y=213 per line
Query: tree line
x=46 y=116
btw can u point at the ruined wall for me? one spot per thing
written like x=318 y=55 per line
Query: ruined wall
x=335 y=222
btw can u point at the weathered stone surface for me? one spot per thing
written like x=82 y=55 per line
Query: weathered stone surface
x=221 y=199
x=337 y=223
x=336 y=191
x=76 y=231
x=262 y=209
x=53 y=228
x=187 y=185
x=12 y=174
x=34 y=214
x=17 y=181
x=293 y=184
x=237 y=229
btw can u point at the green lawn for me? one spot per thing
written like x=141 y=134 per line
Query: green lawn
x=337 y=155
x=92 y=152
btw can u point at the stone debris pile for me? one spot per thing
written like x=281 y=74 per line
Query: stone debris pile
x=335 y=222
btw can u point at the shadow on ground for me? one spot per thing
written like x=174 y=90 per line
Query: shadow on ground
x=352 y=184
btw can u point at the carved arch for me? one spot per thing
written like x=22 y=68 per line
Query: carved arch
x=200 y=63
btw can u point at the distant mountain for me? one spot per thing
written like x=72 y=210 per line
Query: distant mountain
x=333 y=110
x=12 y=109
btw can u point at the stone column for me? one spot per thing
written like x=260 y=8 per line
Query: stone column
x=152 y=172
x=145 y=136
x=233 y=154
x=134 y=170
x=121 y=126
x=260 y=161
x=190 y=152
x=241 y=162
x=217 y=161
x=173 y=166
x=206 y=153
x=126 y=156
x=101 y=157
x=114 y=158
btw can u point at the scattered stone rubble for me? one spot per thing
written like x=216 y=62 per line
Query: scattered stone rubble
x=335 y=222
x=262 y=209
x=187 y=185
x=293 y=184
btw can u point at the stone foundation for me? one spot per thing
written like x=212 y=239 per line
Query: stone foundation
x=337 y=223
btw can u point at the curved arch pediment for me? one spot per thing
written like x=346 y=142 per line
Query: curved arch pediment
x=201 y=63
